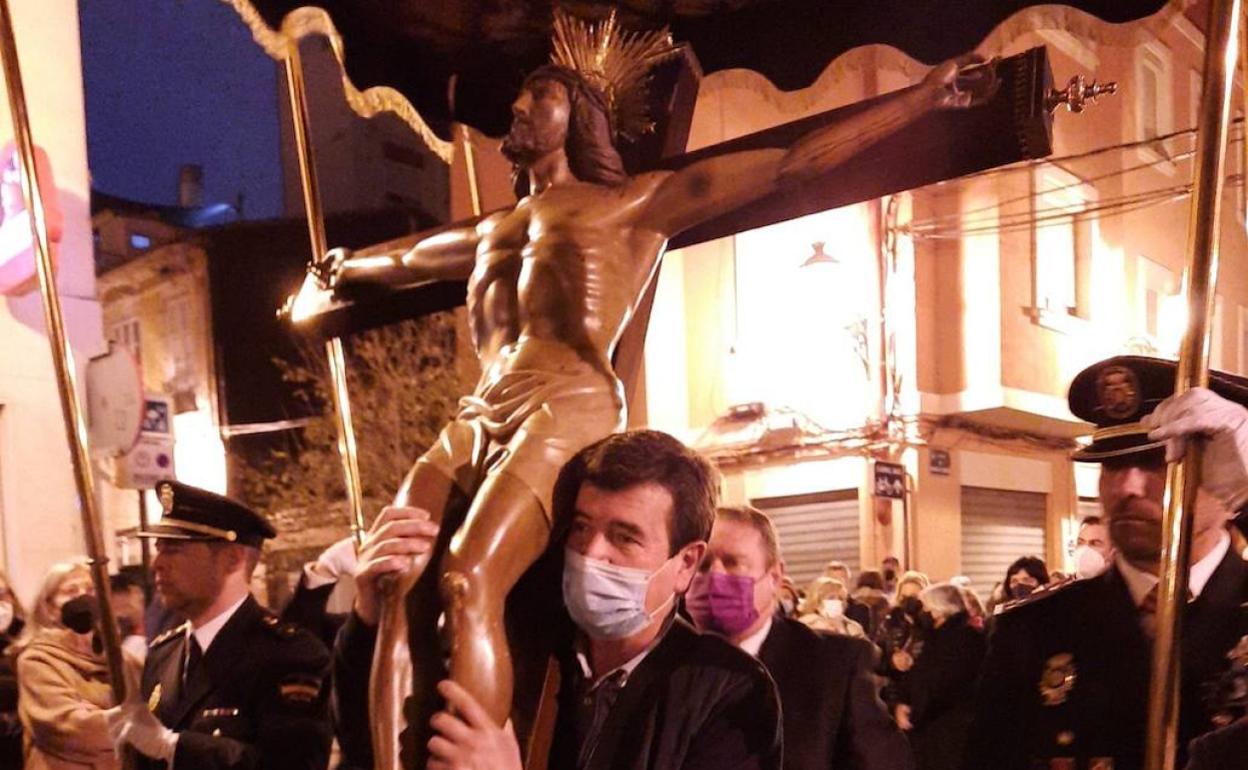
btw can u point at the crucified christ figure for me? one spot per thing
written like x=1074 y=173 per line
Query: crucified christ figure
x=552 y=282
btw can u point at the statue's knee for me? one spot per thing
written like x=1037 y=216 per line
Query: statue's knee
x=458 y=589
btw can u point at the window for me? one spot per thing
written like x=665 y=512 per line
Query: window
x=126 y=334
x=1194 y=86
x=1063 y=243
x=1243 y=340
x=1157 y=303
x=1153 y=112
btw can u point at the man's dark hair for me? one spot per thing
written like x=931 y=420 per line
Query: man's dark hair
x=871 y=578
x=625 y=460
x=1032 y=565
x=124 y=581
x=1090 y=521
x=592 y=156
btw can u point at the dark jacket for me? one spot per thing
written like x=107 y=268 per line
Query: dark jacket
x=1067 y=672
x=307 y=609
x=257 y=699
x=694 y=702
x=1221 y=749
x=833 y=717
x=941 y=695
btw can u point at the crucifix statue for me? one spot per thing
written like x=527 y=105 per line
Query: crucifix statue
x=552 y=283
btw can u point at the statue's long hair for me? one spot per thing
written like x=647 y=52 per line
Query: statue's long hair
x=592 y=156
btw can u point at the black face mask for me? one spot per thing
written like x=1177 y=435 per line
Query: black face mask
x=912 y=606
x=79 y=614
x=890 y=575
x=925 y=621
x=1021 y=591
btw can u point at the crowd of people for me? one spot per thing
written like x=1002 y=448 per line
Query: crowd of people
x=680 y=640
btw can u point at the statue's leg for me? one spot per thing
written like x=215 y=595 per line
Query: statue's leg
x=506 y=531
x=407 y=657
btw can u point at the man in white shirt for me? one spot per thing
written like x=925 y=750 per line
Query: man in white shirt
x=1065 y=683
x=233 y=687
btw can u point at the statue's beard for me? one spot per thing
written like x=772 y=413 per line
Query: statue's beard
x=524 y=145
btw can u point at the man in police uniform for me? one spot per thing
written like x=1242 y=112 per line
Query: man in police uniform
x=233 y=687
x=1065 y=684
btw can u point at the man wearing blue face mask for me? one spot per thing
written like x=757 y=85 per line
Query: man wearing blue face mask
x=640 y=689
x=833 y=717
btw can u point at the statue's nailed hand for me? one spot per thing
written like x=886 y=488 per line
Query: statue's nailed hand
x=967 y=81
x=398 y=543
x=329 y=268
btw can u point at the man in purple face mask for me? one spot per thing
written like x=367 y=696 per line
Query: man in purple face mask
x=832 y=714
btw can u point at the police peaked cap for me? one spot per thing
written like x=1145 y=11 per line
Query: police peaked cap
x=1115 y=394
x=191 y=513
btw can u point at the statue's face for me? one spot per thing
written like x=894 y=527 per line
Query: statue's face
x=539 y=121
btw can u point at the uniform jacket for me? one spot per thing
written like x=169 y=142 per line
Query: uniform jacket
x=695 y=702
x=63 y=694
x=257 y=700
x=833 y=717
x=1067 y=673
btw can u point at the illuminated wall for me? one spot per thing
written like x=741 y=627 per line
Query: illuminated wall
x=38 y=506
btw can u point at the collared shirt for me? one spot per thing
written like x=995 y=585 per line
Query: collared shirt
x=1141 y=583
x=754 y=642
x=596 y=697
x=208 y=631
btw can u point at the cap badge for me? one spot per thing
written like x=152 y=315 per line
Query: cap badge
x=1118 y=392
x=1058 y=679
x=165 y=492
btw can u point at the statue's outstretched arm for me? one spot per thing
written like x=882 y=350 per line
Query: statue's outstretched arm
x=443 y=255
x=720 y=184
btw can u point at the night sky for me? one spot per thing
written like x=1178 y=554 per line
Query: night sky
x=170 y=82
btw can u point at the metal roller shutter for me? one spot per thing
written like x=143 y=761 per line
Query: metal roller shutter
x=814 y=530
x=998 y=526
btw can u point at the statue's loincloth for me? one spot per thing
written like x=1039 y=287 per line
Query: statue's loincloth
x=527 y=424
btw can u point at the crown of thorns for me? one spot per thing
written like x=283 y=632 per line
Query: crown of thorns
x=616 y=62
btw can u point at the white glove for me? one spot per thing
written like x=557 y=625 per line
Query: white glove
x=132 y=723
x=1223 y=423
x=334 y=562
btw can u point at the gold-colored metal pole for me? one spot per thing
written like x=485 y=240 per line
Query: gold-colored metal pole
x=333 y=348
x=62 y=356
x=1183 y=480
x=470 y=163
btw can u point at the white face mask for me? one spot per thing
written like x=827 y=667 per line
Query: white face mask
x=1088 y=562
x=606 y=601
x=833 y=608
x=6 y=615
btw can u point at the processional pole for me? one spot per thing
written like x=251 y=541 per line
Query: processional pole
x=62 y=356
x=1183 y=478
x=347 y=450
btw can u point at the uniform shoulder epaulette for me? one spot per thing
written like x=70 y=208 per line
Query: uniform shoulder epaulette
x=1041 y=594
x=169 y=633
x=280 y=629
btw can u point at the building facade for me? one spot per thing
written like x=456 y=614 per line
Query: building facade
x=940 y=328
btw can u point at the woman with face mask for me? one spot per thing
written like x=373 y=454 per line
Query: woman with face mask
x=900 y=637
x=63 y=677
x=823 y=609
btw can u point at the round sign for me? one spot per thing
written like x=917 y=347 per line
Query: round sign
x=114 y=401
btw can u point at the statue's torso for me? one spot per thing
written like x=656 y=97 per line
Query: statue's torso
x=557 y=277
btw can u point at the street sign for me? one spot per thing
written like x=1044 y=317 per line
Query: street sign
x=151 y=458
x=115 y=401
x=890 y=480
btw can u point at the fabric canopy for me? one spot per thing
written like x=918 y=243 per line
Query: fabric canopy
x=463 y=60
